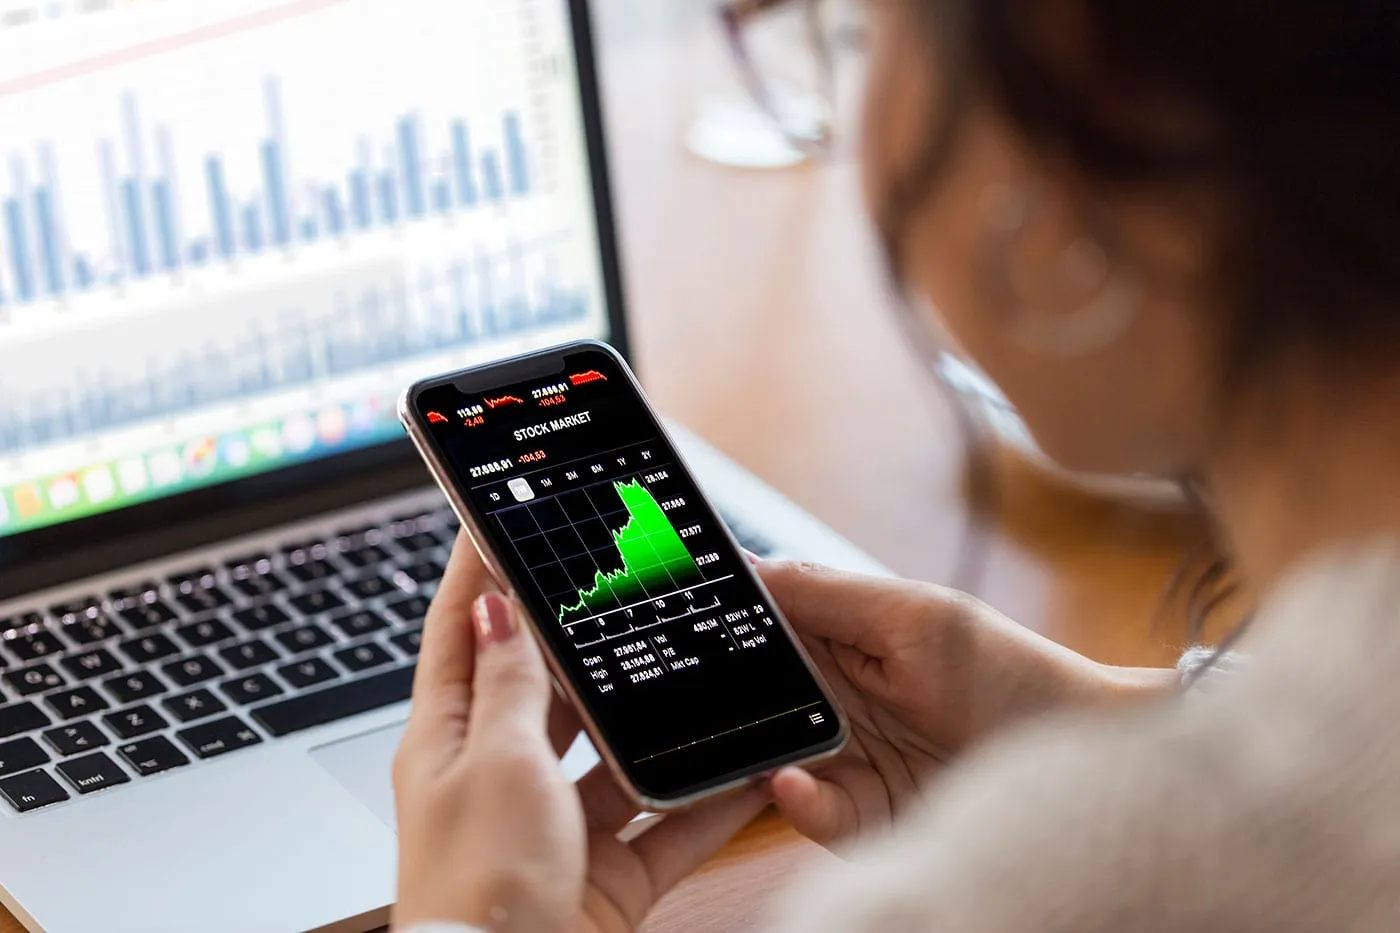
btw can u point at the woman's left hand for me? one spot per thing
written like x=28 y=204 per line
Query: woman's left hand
x=491 y=832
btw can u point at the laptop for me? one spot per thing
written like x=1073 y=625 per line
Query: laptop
x=231 y=232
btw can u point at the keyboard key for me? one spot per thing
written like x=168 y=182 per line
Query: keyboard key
x=312 y=571
x=192 y=670
x=153 y=755
x=199 y=634
x=148 y=615
x=31 y=644
x=249 y=565
x=258 y=585
x=219 y=737
x=360 y=622
x=96 y=663
x=367 y=556
x=248 y=654
x=89 y=607
x=305 y=638
x=80 y=701
x=412 y=609
x=364 y=657
x=20 y=755
x=21 y=717
x=196 y=704
x=329 y=705
x=36 y=678
x=75 y=738
x=85 y=621
x=205 y=599
x=31 y=791
x=193 y=580
x=317 y=602
x=92 y=772
x=250 y=689
x=138 y=594
x=23 y=621
x=370 y=587
x=260 y=617
x=428 y=571
x=308 y=672
x=418 y=541
x=138 y=685
x=409 y=642
x=137 y=720
x=148 y=648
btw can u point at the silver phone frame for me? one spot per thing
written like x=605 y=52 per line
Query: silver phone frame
x=563 y=681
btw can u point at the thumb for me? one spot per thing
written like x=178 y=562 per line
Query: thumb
x=511 y=694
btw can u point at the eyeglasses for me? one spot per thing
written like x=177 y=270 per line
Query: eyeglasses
x=786 y=60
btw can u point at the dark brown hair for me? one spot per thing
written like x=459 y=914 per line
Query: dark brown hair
x=1294 y=120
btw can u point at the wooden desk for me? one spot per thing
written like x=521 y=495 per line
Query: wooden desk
x=761 y=323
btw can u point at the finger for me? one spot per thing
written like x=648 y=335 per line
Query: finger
x=820 y=809
x=839 y=606
x=683 y=842
x=511 y=692
x=605 y=806
x=564 y=725
x=442 y=683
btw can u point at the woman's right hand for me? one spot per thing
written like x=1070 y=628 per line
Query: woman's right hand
x=922 y=673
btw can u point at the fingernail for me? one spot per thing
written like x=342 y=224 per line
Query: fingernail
x=495 y=622
x=753 y=558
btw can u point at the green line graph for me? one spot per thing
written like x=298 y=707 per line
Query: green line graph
x=654 y=559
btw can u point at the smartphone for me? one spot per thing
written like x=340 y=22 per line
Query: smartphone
x=687 y=677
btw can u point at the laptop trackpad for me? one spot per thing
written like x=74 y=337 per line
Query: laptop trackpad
x=362 y=766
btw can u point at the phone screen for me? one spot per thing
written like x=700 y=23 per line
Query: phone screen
x=671 y=644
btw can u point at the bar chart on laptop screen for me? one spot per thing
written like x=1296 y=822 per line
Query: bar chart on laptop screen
x=258 y=220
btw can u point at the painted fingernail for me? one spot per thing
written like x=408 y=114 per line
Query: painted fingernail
x=495 y=622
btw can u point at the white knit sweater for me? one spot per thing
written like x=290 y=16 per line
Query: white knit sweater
x=1263 y=801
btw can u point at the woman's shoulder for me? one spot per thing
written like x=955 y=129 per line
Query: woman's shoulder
x=1261 y=797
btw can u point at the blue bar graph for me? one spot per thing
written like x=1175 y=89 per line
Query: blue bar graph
x=491 y=176
x=359 y=200
x=515 y=156
x=388 y=198
x=165 y=224
x=462 y=166
x=19 y=250
x=48 y=241
x=82 y=274
x=252 y=229
x=409 y=171
x=219 y=210
x=411 y=164
x=335 y=219
x=135 y=228
x=276 y=193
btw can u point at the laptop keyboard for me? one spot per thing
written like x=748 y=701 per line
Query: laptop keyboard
x=152 y=676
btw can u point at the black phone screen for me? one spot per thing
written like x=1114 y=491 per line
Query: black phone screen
x=671 y=644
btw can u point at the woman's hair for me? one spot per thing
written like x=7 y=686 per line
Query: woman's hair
x=1288 y=111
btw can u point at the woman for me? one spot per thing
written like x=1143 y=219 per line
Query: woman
x=1167 y=229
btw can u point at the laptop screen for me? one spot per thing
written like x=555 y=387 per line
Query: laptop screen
x=231 y=231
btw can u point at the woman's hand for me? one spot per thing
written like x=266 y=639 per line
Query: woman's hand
x=491 y=832
x=922 y=673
